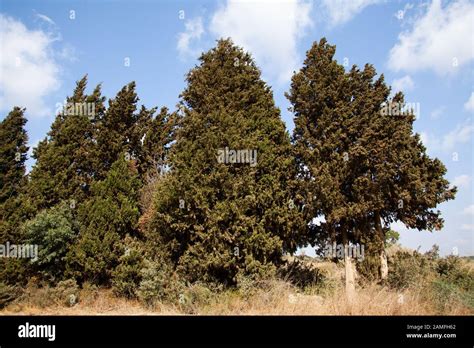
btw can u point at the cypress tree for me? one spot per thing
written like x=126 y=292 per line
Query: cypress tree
x=66 y=159
x=13 y=154
x=105 y=219
x=116 y=131
x=366 y=167
x=216 y=217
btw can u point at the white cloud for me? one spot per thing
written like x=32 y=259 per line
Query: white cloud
x=403 y=84
x=461 y=181
x=440 y=39
x=460 y=135
x=469 y=105
x=467 y=227
x=342 y=11
x=194 y=29
x=28 y=70
x=45 y=18
x=269 y=29
x=469 y=210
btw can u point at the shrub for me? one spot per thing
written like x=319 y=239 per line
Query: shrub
x=66 y=292
x=409 y=269
x=195 y=296
x=455 y=281
x=301 y=274
x=53 y=230
x=127 y=275
x=8 y=294
x=159 y=283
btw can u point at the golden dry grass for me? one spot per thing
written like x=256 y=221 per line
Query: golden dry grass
x=279 y=299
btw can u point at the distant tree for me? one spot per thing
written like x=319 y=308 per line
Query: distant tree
x=218 y=219
x=366 y=168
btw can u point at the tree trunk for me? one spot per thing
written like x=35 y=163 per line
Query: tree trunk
x=383 y=270
x=349 y=267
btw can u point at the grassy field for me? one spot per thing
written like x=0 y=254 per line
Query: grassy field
x=277 y=296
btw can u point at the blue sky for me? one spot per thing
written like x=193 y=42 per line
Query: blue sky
x=425 y=48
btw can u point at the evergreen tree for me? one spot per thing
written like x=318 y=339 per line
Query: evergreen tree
x=117 y=130
x=13 y=154
x=13 y=150
x=104 y=221
x=218 y=219
x=66 y=160
x=366 y=168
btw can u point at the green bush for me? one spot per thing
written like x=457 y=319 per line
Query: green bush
x=409 y=270
x=127 y=275
x=159 y=283
x=455 y=282
x=195 y=296
x=54 y=231
x=453 y=269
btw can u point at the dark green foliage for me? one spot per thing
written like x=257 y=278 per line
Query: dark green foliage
x=13 y=149
x=233 y=218
x=66 y=160
x=105 y=219
x=127 y=275
x=53 y=230
x=116 y=131
x=366 y=168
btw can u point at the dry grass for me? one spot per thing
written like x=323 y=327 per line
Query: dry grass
x=279 y=298
x=273 y=297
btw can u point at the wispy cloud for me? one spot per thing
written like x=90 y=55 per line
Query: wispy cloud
x=469 y=105
x=440 y=39
x=342 y=11
x=194 y=29
x=403 y=84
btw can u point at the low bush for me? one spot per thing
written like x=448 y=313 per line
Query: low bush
x=8 y=294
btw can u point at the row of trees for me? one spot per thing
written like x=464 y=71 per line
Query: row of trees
x=115 y=189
